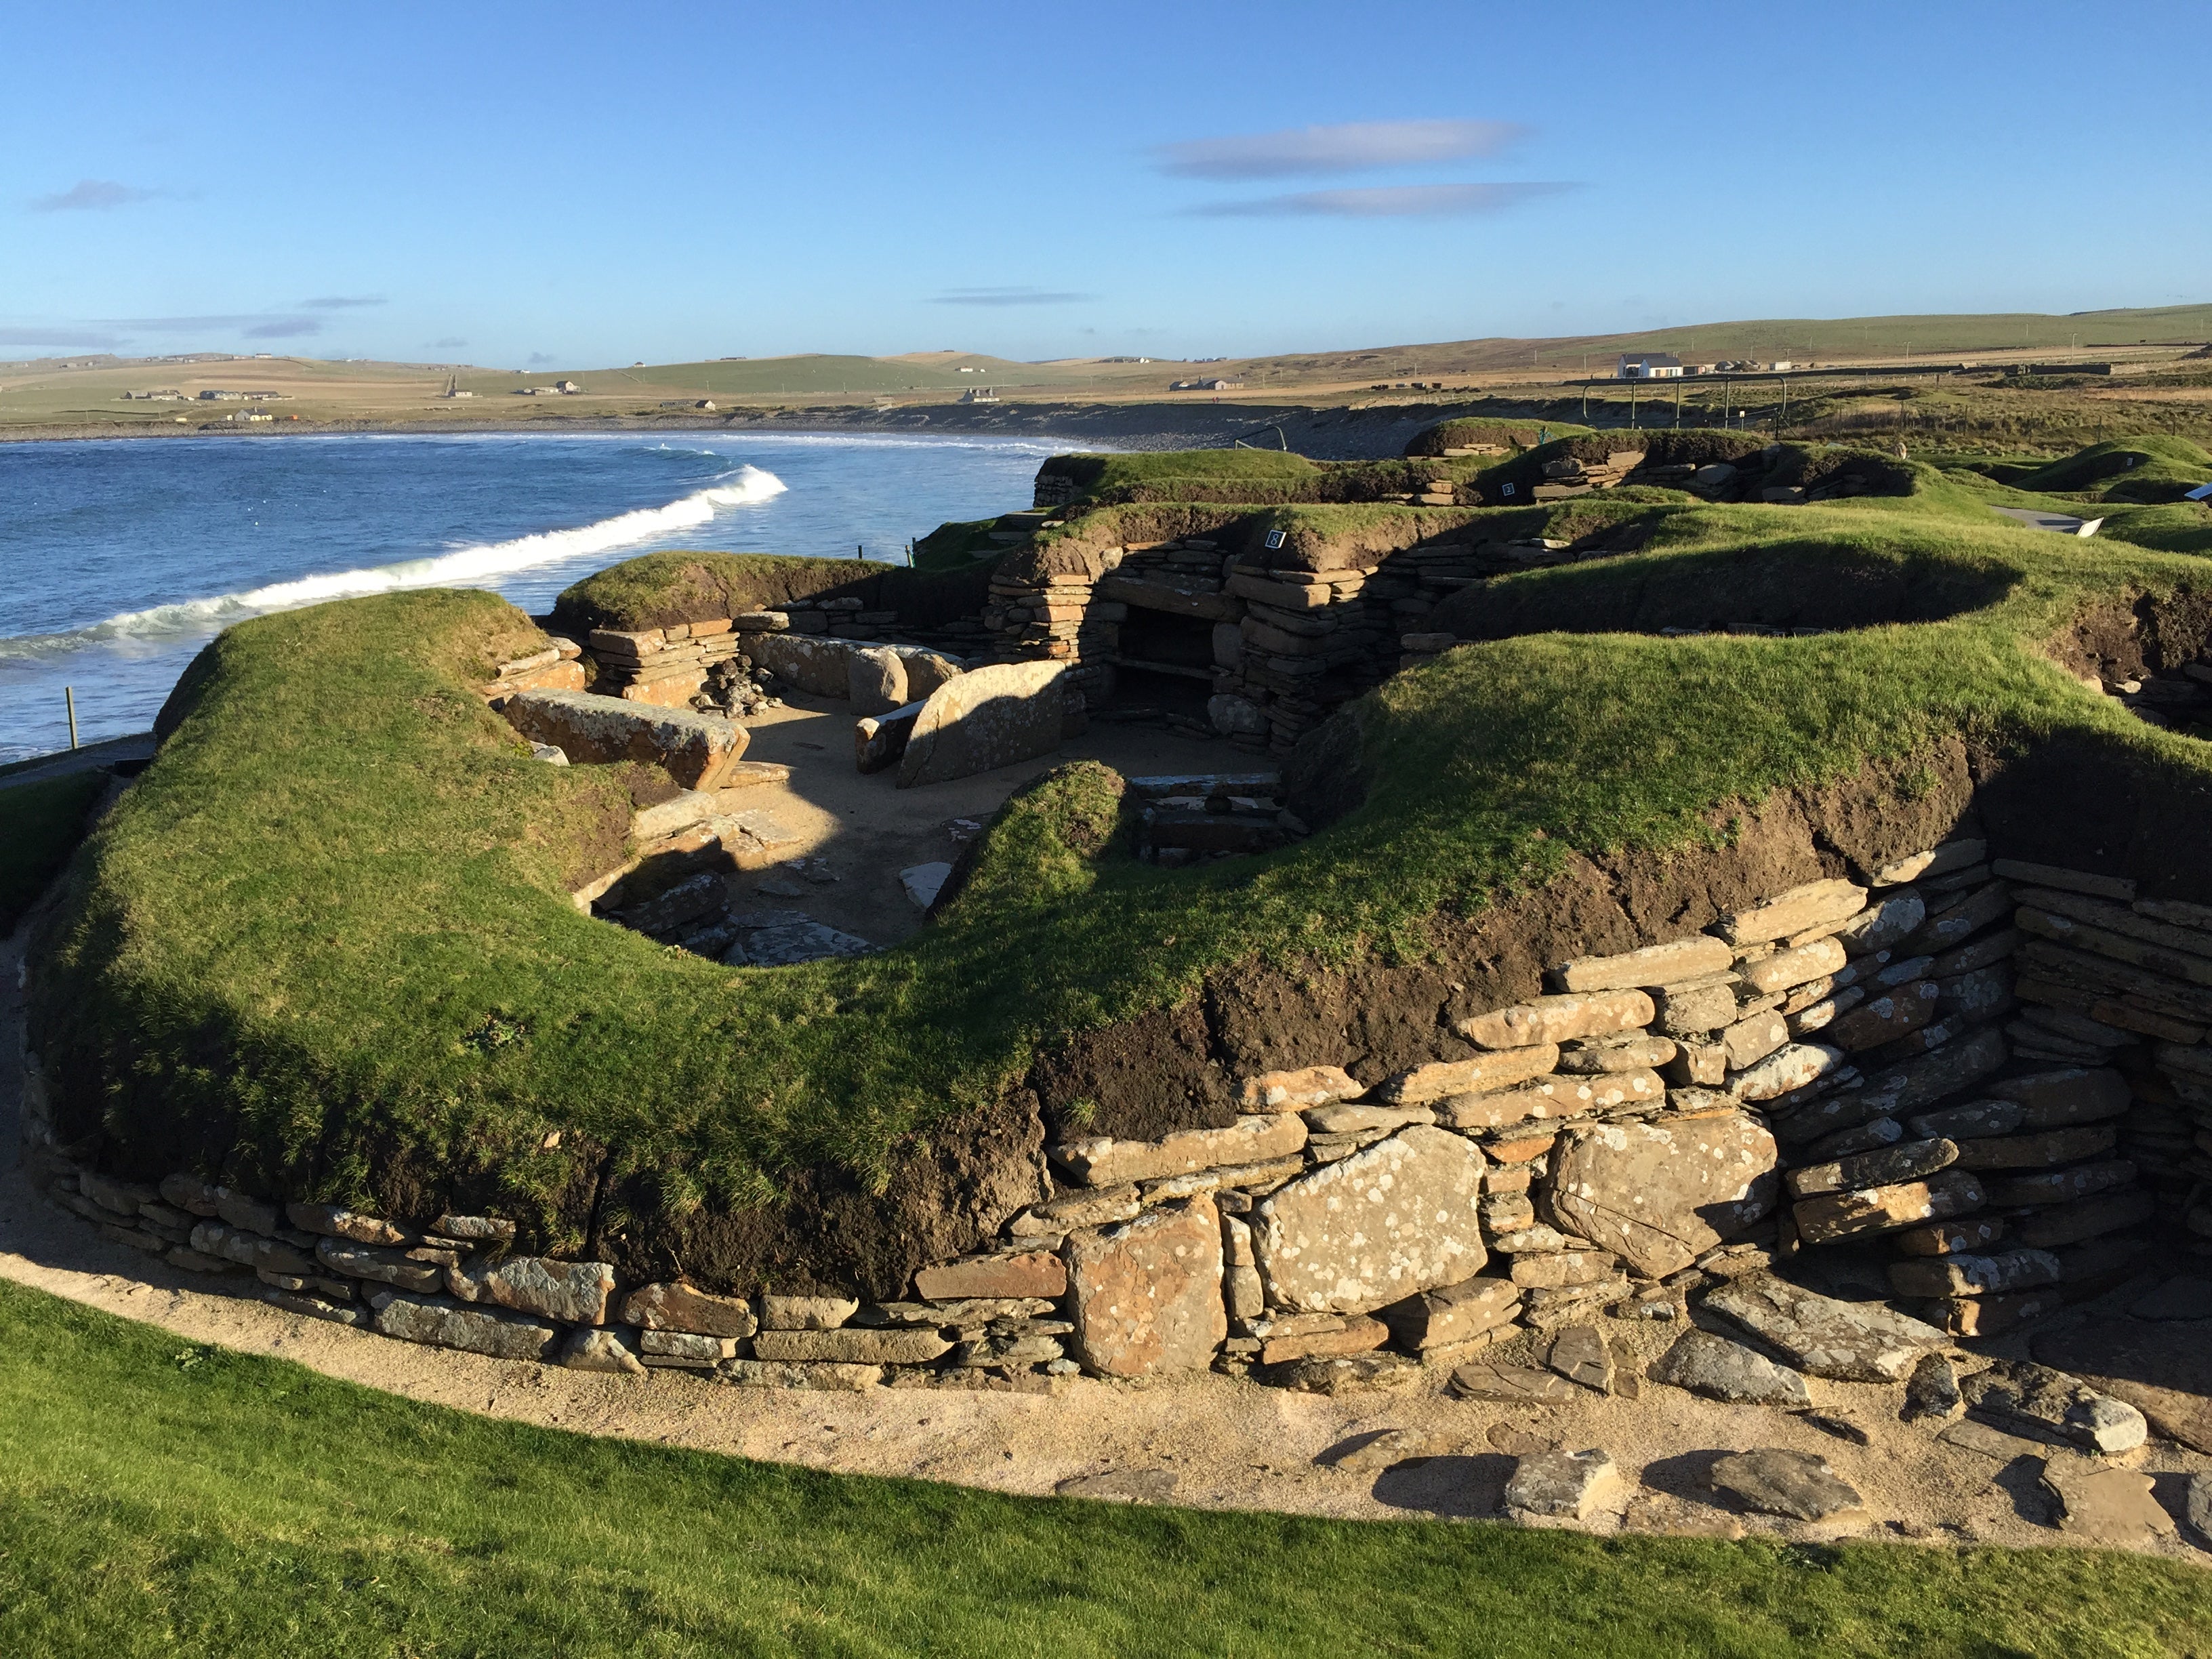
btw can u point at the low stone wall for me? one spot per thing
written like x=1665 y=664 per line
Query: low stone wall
x=1997 y=1073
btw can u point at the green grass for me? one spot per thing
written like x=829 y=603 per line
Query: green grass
x=161 y=1496
x=39 y=824
x=339 y=902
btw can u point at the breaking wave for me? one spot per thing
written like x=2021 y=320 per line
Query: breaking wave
x=461 y=567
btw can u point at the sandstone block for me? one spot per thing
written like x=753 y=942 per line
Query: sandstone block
x=2061 y=1185
x=333 y=1221
x=1906 y=1161
x=1699 y=1064
x=249 y=1249
x=1293 y=1091
x=806 y=1313
x=1452 y=1314
x=852 y=1344
x=875 y=679
x=1563 y=1485
x=1562 y=1269
x=680 y=1307
x=1254 y=1139
x=1883 y=1209
x=1028 y=1273
x=2072 y=881
x=1884 y=922
x=2051 y=1100
x=1399 y=1217
x=695 y=750
x=2107 y=1504
x=1812 y=905
x=1519 y=1385
x=1777 y=1481
x=2086 y=1218
x=1785 y=969
x=1937 y=861
x=1902 y=1090
x=1885 y=1019
x=448 y=1324
x=1951 y=1237
x=1147 y=1294
x=2037 y=1151
x=1659 y=1194
x=1720 y=1370
x=1750 y=1040
x=1483 y=1074
x=1847 y=1341
x=1356 y=1334
x=385 y=1266
x=1655 y=964
x=1559 y=1018
x=1547 y=1097
x=1694 y=1009
x=775 y=1374
x=991 y=717
x=2030 y=1398
x=589 y=1348
x=474 y=1229
x=574 y=1292
x=1973 y=1275
x=1971 y=1120
x=1597 y=1057
x=1791 y=1067
x=190 y=1193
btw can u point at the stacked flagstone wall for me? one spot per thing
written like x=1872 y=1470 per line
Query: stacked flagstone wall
x=1994 y=1075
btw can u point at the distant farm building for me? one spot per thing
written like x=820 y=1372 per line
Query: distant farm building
x=978 y=394
x=566 y=388
x=1215 y=385
x=1648 y=366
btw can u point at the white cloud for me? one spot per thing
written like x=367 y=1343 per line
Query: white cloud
x=1349 y=147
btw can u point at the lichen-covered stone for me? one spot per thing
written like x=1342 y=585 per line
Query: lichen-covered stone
x=574 y=1292
x=1655 y=964
x=1559 y=1018
x=1848 y=1342
x=693 y=749
x=1660 y=1194
x=1146 y=1295
x=1252 y=1139
x=1396 y=1219
x=1812 y=905
x=989 y=718
x=448 y=1324
x=679 y=1307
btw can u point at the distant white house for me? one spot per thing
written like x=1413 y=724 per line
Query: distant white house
x=978 y=394
x=1648 y=366
x=566 y=388
x=1215 y=385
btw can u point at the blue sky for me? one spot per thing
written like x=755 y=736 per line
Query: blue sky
x=510 y=184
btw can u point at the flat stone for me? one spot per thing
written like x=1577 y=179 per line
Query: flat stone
x=1971 y=1120
x=774 y=1374
x=1903 y=1090
x=1973 y=1275
x=1562 y=1269
x=1811 y=905
x=1661 y=1515
x=1778 y=1481
x=1550 y=1097
x=922 y=883
x=1365 y=1373
x=1718 y=1369
x=1485 y=1073
x=1452 y=1314
x=1579 y=1353
x=1831 y=1215
x=2052 y=1100
x=2037 y=1151
x=1792 y=1067
x=474 y=1229
x=1600 y=1056
x=1987 y=1313
x=445 y=1323
x=2196 y=1507
x=1937 y=861
x=1147 y=1294
x=1078 y=1209
x=990 y=717
x=2178 y=1299
x=590 y=1348
x=852 y=1345
x=1660 y=1193
x=1396 y=1219
x=1883 y=923
x=1847 y=1341
x=875 y=679
x=1252 y=1139
x=1994 y=1443
x=693 y=749
x=315 y=1307
x=1750 y=1040
x=1516 y=1384
x=190 y=1193
x=2104 y=1504
x=800 y=940
x=1885 y=1019
x=574 y=1292
x=1906 y=1161
x=806 y=1313
x=1691 y=1010
x=2034 y=1399
x=1821 y=959
x=1356 y=1334
x=2060 y=1185
x=679 y=1307
x=1655 y=964
x=1559 y=1018
x=2083 y=1219
x=334 y=1222
x=249 y=1249
x=1387 y=1449
x=1027 y=1273
x=251 y=1215
x=1296 y=1091
x=1562 y=1484
x=387 y=1267
x=1121 y=1486
x=1353 y=1119
x=2071 y=881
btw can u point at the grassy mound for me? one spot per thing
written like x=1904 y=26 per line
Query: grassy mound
x=323 y=948
x=159 y=1496
x=656 y=589
x=2147 y=469
x=1249 y=477
x=1488 y=433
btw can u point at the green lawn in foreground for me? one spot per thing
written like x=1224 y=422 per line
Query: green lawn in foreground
x=158 y=1496
x=39 y=823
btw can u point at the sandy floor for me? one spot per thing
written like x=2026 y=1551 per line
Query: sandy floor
x=1231 y=1445
x=865 y=830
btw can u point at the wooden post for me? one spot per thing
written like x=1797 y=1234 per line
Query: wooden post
x=68 y=697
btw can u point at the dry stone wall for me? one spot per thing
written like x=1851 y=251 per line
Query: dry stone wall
x=1993 y=1075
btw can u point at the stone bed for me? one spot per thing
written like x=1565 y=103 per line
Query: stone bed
x=1996 y=1073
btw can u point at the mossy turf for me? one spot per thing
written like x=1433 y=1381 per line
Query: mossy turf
x=325 y=947
x=162 y=1497
x=39 y=823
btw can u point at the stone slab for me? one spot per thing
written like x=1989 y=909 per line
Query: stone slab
x=991 y=717
x=695 y=750
x=1847 y=1341
x=1660 y=1193
x=1392 y=1220
x=1146 y=1295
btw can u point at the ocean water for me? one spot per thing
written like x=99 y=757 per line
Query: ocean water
x=119 y=558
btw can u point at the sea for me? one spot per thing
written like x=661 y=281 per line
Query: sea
x=120 y=558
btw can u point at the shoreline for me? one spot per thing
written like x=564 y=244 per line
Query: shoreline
x=1333 y=433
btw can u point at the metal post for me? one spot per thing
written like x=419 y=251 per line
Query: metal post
x=68 y=697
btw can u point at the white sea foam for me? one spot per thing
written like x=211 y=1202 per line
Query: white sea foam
x=460 y=567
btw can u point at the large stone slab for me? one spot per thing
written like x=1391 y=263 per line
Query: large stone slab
x=695 y=750
x=809 y=663
x=2163 y=1371
x=2104 y=1504
x=1655 y=964
x=1559 y=1018
x=1848 y=1342
x=1828 y=1217
x=1028 y=1274
x=1481 y=1074
x=573 y=1292
x=1659 y=1194
x=678 y=1307
x=1146 y=1295
x=1105 y=1162
x=1720 y=1370
x=852 y=1344
x=989 y=718
x=1392 y=1220
x=1775 y=1481
x=2028 y=1399
x=875 y=678
x=1815 y=904
x=448 y=1324
x=1562 y=1484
